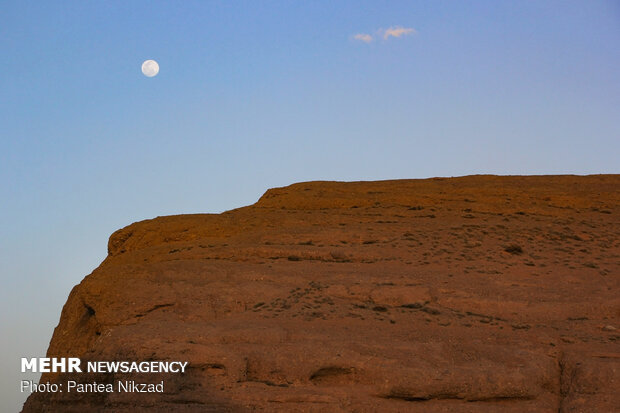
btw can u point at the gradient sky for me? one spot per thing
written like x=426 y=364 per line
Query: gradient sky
x=253 y=95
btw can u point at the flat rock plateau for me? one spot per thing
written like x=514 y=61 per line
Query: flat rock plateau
x=471 y=294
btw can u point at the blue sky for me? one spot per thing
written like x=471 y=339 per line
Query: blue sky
x=253 y=95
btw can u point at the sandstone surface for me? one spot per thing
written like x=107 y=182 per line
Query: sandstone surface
x=472 y=294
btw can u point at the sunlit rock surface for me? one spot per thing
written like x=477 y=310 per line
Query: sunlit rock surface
x=481 y=293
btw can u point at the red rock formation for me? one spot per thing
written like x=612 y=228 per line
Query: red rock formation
x=482 y=293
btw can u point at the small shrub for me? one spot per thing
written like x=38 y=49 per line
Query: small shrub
x=514 y=249
x=412 y=305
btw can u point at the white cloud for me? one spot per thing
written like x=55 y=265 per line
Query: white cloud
x=396 y=31
x=366 y=38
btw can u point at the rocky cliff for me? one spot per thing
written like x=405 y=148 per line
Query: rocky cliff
x=481 y=293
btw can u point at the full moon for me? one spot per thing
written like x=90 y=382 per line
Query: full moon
x=150 y=68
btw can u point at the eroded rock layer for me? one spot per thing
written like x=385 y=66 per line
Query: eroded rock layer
x=481 y=293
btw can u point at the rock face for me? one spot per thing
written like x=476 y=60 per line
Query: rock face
x=481 y=293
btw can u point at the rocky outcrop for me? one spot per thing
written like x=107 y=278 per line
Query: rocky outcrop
x=481 y=293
